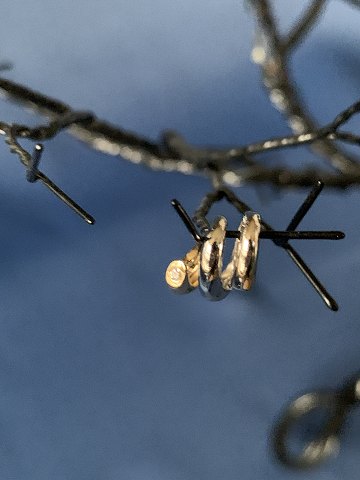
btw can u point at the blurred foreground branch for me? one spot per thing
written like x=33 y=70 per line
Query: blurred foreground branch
x=233 y=166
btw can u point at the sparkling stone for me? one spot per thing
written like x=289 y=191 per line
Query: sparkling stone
x=175 y=274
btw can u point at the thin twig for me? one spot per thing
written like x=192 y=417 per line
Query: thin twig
x=282 y=89
x=303 y=25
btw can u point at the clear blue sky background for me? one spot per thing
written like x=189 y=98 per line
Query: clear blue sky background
x=104 y=373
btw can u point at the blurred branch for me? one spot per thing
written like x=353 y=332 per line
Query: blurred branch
x=271 y=56
x=354 y=3
x=233 y=166
x=304 y=25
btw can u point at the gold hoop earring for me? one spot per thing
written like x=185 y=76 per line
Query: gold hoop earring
x=210 y=281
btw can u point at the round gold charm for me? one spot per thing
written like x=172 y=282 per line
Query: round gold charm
x=182 y=276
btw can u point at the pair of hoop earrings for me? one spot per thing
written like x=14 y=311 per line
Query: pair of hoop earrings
x=202 y=266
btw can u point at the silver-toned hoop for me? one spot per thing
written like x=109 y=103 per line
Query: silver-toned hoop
x=210 y=279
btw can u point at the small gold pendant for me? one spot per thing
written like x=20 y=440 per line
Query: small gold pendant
x=182 y=276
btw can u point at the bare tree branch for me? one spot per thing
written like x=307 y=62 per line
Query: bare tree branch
x=233 y=166
x=173 y=153
x=303 y=25
x=282 y=89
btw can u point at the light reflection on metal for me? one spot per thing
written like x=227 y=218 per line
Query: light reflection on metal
x=211 y=260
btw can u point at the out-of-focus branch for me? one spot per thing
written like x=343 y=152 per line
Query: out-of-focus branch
x=354 y=3
x=234 y=165
x=271 y=55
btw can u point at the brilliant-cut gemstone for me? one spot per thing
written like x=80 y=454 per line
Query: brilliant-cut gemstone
x=175 y=274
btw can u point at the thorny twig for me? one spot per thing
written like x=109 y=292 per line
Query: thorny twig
x=234 y=165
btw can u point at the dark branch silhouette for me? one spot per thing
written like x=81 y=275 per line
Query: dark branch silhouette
x=227 y=166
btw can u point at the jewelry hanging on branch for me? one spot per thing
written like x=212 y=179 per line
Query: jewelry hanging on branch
x=202 y=266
